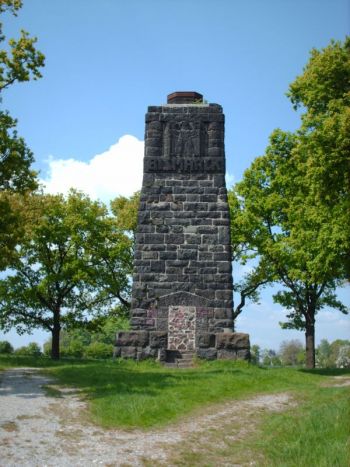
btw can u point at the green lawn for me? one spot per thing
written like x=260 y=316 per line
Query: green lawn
x=129 y=394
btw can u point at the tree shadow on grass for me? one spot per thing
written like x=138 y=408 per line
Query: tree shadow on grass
x=327 y=371
x=98 y=380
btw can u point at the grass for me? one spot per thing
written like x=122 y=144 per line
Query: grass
x=51 y=391
x=13 y=361
x=317 y=434
x=128 y=394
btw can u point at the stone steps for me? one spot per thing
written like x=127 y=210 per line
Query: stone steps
x=177 y=359
x=185 y=360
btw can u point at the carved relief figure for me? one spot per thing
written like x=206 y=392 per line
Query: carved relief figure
x=181 y=139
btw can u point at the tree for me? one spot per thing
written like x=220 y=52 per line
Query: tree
x=270 y=358
x=126 y=211
x=112 y=257
x=5 y=347
x=322 y=91
x=335 y=349
x=292 y=352
x=343 y=360
x=260 y=273
x=52 y=284
x=299 y=231
x=32 y=350
x=291 y=236
x=95 y=341
x=20 y=63
x=120 y=258
x=323 y=354
x=23 y=61
x=255 y=354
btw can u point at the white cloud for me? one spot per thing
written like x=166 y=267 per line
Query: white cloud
x=230 y=180
x=117 y=171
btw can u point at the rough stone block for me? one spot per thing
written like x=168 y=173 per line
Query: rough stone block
x=128 y=352
x=187 y=254
x=147 y=352
x=225 y=354
x=116 y=352
x=243 y=354
x=208 y=354
x=162 y=325
x=223 y=323
x=158 y=339
x=232 y=341
x=222 y=313
x=205 y=340
x=132 y=338
x=139 y=313
x=162 y=353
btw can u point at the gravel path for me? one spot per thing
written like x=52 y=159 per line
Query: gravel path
x=39 y=430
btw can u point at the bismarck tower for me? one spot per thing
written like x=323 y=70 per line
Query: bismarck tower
x=182 y=283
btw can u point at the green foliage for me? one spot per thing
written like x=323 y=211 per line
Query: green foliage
x=323 y=145
x=99 y=350
x=74 y=349
x=106 y=330
x=125 y=211
x=254 y=355
x=294 y=201
x=32 y=349
x=242 y=252
x=23 y=61
x=57 y=272
x=5 y=347
x=323 y=355
x=292 y=353
x=343 y=360
x=15 y=158
x=270 y=358
x=332 y=355
x=20 y=62
x=93 y=341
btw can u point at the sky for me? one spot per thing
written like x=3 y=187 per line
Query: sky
x=108 y=60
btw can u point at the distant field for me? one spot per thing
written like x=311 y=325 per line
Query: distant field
x=126 y=394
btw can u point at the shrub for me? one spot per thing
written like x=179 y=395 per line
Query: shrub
x=343 y=360
x=74 y=349
x=5 y=347
x=291 y=352
x=32 y=349
x=99 y=350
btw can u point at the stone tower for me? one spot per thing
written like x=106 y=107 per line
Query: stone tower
x=182 y=283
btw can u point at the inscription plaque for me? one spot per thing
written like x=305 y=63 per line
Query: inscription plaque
x=183 y=165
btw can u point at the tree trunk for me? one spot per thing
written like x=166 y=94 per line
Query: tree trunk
x=55 y=349
x=310 y=344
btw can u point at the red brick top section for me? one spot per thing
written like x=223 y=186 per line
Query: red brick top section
x=184 y=97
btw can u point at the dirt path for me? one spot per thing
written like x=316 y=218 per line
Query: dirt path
x=39 y=430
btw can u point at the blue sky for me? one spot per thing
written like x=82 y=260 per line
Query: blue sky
x=107 y=60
